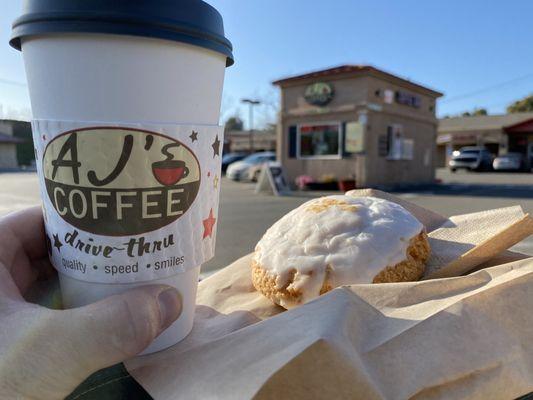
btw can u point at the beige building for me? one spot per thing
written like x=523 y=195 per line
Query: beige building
x=357 y=122
x=500 y=134
x=8 y=144
x=239 y=141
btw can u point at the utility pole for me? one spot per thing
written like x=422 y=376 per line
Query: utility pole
x=251 y=103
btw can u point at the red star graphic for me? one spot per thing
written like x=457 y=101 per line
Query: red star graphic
x=209 y=223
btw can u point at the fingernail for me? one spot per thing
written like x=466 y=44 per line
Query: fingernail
x=169 y=307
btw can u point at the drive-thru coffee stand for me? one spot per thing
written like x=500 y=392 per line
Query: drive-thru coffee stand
x=357 y=122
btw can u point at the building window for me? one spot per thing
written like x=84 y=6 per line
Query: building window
x=408 y=99
x=319 y=141
x=398 y=147
x=394 y=142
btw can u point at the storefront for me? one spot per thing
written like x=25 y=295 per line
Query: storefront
x=500 y=134
x=239 y=141
x=357 y=122
x=11 y=142
x=520 y=140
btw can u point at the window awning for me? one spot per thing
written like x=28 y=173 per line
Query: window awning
x=521 y=127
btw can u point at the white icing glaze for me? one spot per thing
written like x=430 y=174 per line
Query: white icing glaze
x=356 y=242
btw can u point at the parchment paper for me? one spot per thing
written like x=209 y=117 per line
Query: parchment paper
x=465 y=241
x=462 y=337
x=462 y=242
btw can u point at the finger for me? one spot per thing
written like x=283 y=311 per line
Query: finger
x=8 y=288
x=23 y=247
x=119 y=327
x=45 y=289
x=26 y=277
x=23 y=230
x=21 y=275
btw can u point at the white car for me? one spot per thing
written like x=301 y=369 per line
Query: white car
x=508 y=162
x=471 y=158
x=239 y=170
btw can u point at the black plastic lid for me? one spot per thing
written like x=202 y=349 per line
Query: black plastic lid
x=189 y=21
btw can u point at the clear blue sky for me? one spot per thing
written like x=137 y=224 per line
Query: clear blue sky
x=455 y=46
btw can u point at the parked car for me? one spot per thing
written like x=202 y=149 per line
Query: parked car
x=230 y=158
x=509 y=162
x=239 y=170
x=471 y=158
x=254 y=171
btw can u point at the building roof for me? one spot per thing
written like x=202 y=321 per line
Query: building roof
x=355 y=70
x=257 y=133
x=5 y=138
x=482 y=122
x=14 y=120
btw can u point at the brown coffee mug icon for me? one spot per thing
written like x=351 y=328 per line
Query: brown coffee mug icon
x=169 y=172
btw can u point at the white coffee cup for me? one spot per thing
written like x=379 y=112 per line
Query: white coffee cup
x=120 y=78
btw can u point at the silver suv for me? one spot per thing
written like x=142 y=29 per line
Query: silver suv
x=471 y=158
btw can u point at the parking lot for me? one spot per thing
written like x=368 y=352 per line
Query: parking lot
x=485 y=178
x=244 y=216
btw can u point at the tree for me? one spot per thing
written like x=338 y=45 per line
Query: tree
x=475 y=113
x=523 y=105
x=234 y=124
x=271 y=127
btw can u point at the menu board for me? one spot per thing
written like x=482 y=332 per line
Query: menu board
x=354 y=141
x=273 y=180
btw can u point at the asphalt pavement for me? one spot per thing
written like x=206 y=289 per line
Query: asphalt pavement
x=244 y=216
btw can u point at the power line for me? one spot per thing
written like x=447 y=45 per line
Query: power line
x=486 y=89
x=14 y=83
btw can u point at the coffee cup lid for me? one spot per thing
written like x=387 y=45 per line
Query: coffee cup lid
x=189 y=21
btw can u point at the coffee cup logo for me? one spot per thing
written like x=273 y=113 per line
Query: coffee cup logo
x=169 y=172
x=119 y=181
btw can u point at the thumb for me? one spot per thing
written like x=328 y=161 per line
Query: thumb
x=119 y=327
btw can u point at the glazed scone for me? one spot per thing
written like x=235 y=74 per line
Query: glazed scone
x=334 y=241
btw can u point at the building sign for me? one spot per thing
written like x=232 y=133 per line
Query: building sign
x=149 y=183
x=443 y=139
x=388 y=96
x=354 y=138
x=407 y=99
x=319 y=94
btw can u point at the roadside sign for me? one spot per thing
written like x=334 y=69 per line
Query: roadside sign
x=273 y=180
